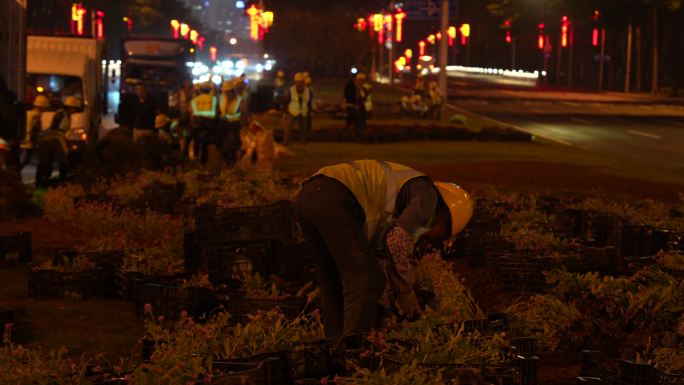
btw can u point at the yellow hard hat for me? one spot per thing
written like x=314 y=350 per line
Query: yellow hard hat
x=299 y=77
x=41 y=101
x=72 y=101
x=458 y=202
x=228 y=85
x=280 y=74
x=161 y=120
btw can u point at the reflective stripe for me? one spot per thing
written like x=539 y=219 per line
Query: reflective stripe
x=235 y=115
x=204 y=113
x=299 y=107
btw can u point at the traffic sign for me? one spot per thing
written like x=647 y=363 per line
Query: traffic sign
x=427 y=9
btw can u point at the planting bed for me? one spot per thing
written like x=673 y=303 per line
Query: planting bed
x=235 y=290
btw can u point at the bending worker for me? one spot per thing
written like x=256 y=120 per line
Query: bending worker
x=361 y=221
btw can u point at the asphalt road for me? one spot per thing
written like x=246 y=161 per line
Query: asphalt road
x=638 y=128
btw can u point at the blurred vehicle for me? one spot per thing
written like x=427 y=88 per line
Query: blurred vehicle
x=160 y=64
x=60 y=67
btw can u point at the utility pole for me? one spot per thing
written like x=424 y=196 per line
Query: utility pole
x=639 y=73
x=654 y=77
x=602 y=59
x=444 y=49
x=391 y=58
x=513 y=53
x=628 y=65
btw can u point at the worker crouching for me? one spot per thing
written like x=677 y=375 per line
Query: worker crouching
x=361 y=221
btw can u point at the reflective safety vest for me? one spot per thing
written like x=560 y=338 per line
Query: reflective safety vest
x=299 y=106
x=204 y=106
x=230 y=109
x=33 y=117
x=376 y=185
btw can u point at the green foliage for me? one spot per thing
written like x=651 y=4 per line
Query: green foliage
x=23 y=366
x=68 y=265
x=454 y=302
x=545 y=317
x=426 y=343
x=410 y=374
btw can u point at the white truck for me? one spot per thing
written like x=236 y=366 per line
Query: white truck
x=59 y=67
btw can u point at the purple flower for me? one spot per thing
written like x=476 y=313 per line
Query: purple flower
x=148 y=308
x=160 y=318
x=184 y=314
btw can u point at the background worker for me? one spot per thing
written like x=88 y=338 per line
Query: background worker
x=435 y=101
x=144 y=113
x=228 y=140
x=360 y=221
x=350 y=101
x=307 y=83
x=298 y=108
x=361 y=98
x=33 y=127
x=204 y=111
x=184 y=114
x=280 y=94
x=52 y=144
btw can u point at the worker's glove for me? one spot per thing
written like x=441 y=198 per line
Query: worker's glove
x=408 y=307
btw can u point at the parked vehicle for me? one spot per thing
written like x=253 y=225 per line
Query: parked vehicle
x=161 y=65
x=59 y=67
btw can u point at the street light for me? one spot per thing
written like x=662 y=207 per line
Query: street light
x=175 y=25
x=399 y=17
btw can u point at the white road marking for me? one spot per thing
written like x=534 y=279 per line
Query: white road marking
x=645 y=134
x=521 y=129
x=582 y=121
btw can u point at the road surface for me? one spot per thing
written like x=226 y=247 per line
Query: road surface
x=639 y=128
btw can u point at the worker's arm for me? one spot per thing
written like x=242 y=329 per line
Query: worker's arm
x=417 y=202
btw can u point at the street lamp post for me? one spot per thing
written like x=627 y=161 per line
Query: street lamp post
x=444 y=49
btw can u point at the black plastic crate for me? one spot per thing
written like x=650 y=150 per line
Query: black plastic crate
x=109 y=262
x=54 y=284
x=15 y=249
x=524 y=346
x=529 y=370
x=274 y=221
x=632 y=373
x=236 y=373
x=521 y=275
x=230 y=261
x=661 y=378
x=129 y=283
x=191 y=251
x=171 y=301
x=602 y=259
x=292 y=262
x=316 y=360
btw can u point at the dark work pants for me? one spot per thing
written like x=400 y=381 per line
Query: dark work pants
x=230 y=146
x=48 y=152
x=347 y=271
x=201 y=138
